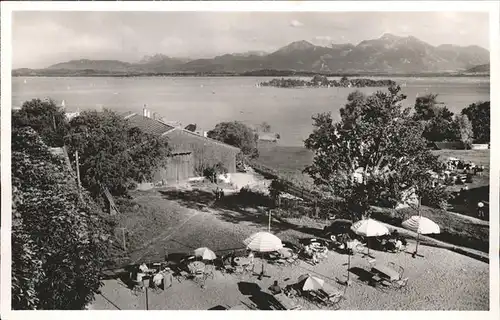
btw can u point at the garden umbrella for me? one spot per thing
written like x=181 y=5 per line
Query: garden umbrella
x=263 y=242
x=369 y=228
x=421 y=225
x=205 y=253
x=309 y=282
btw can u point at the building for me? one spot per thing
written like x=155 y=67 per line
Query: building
x=191 y=152
x=267 y=139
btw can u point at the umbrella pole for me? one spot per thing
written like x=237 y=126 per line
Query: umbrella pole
x=416 y=247
x=348 y=267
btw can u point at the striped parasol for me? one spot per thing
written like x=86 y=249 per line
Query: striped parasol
x=421 y=225
x=263 y=242
x=369 y=228
x=205 y=253
x=308 y=282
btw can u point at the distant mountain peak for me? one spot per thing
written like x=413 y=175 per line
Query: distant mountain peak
x=390 y=37
x=296 y=45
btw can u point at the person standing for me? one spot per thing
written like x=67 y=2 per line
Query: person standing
x=480 y=210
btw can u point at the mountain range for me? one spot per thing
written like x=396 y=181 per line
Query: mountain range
x=388 y=54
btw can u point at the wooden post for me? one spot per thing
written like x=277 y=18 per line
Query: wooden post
x=269 y=228
x=78 y=175
x=145 y=287
x=123 y=238
x=348 y=266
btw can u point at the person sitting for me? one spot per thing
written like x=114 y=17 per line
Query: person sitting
x=143 y=268
x=275 y=288
x=158 y=280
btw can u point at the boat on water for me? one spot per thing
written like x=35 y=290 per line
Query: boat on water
x=25 y=81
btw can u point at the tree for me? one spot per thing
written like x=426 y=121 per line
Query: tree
x=112 y=152
x=60 y=238
x=191 y=127
x=438 y=120
x=236 y=134
x=45 y=117
x=265 y=127
x=373 y=155
x=479 y=115
x=464 y=129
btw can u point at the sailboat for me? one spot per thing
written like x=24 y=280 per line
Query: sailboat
x=25 y=81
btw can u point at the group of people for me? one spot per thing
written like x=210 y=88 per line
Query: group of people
x=158 y=278
x=315 y=252
x=393 y=242
x=219 y=194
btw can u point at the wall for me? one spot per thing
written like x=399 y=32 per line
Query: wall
x=480 y=146
x=179 y=168
x=205 y=152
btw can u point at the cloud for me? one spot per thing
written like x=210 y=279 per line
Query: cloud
x=296 y=24
x=323 y=38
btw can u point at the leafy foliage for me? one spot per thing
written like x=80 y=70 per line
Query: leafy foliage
x=212 y=172
x=276 y=188
x=479 y=114
x=59 y=236
x=374 y=155
x=438 y=120
x=236 y=134
x=464 y=127
x=113 y=153
x=45 y=117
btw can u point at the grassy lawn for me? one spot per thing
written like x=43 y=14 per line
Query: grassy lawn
x=292 y=160
x=454 y=229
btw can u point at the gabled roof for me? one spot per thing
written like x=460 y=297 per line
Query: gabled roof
x=148 y=125
x=159 y=128
x=203 y=137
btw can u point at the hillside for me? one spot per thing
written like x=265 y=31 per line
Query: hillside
x=388 y=54
x=483 y=68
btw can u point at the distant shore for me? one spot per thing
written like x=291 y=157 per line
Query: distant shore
x=257 y=73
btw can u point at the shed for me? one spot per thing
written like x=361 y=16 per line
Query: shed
x=191 y=152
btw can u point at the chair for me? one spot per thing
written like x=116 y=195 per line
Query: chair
x=400 y=269
x=400 y=284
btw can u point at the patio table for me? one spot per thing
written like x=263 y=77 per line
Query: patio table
x=241 y=261
x=196 y=266
x=386 y=272
x=286 y=302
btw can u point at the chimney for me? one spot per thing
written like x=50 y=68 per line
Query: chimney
x=144 y=111
x=149 y=113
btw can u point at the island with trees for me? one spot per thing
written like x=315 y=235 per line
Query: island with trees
x=319 y=81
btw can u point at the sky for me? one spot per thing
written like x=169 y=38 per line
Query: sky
x=41 y=39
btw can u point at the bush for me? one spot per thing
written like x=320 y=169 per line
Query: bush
x=212 y=172
x=60 y=238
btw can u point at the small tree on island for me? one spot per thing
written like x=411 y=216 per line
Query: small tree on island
x=236 y=134
x=464 y=127
x=373 y=156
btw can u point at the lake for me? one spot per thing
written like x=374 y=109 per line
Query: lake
x=207 y=101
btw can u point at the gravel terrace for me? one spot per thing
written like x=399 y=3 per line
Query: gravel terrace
x=442 y=280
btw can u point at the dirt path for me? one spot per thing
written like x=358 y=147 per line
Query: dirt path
x=162 y=237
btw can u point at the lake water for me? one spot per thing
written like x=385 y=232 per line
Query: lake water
x=208 y=101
